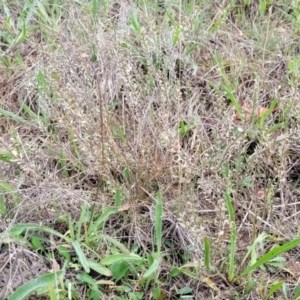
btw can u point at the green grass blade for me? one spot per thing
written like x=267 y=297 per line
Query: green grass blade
x=118 y=198
x=6 y=187
x=62 y=162
x=233 y=100
x=264 y=116
x=18 y=229
x=42 y=11
x=158 y=222
x=296 y=292
x=36 y=243
x=230 y=95
x=272 y=254
x=21 y=38
x=116 y=243
x=71 y=228
x=152 y=269
x=197 y=22
x=119 y=257
x=119 y=270
x=95 y=293
x=207 y=253
x=64 y=252
x=15 y=117
x=134 y=21
x=81 y=256
x=2 y=206
x=176 y=35
x=28 y=288
x=52 y=292
x=95 y=9
x=232 y=235
x=32 y=114
x=80 y=221
x=94 y=227
x=98 y=268
x=86 y=278
x=275 y=287
x=251 y=249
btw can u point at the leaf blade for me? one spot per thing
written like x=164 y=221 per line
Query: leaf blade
x=271 y=254
x=28 y=288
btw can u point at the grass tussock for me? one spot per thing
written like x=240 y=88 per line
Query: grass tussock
x=149 y=150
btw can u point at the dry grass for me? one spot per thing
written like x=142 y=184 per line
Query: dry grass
x=118 y=110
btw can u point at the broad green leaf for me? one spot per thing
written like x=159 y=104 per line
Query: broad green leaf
x=98 y=268
x=36 y=242
x=119 y=257
x=185 y=290
x=134 y=272
x=95 y=293
x=81 y=256
x=156 y=292
x=153 y=268
x=64 y=252
x=174 y=272
x=52 y=293
x=119 y=269
x=30 y=287
x=86 y=278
